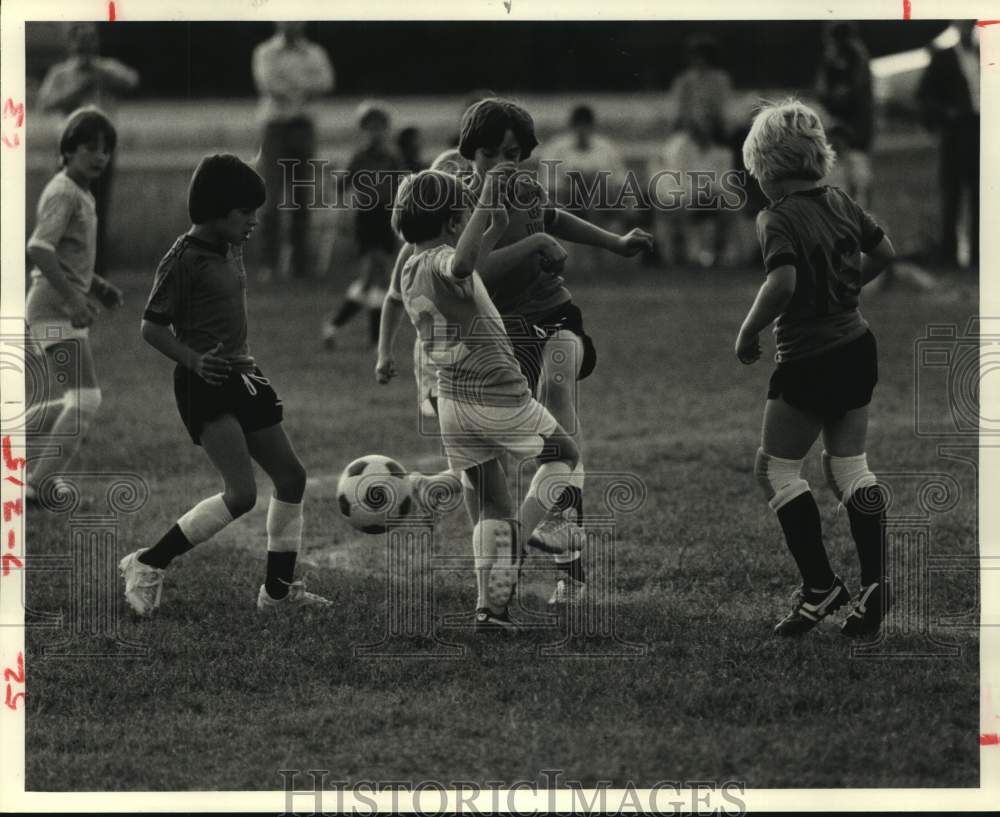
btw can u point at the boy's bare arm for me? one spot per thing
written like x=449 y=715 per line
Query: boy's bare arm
x=502 y=260
x=209 y=366
x=82 y=310
x=771 y=300
x=872 y=263
x=573 y=228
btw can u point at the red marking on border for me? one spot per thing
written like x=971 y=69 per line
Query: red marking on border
x=9 y=562
x=984 y=23
x=112 y=15
x=989 y=740
x=15 y=111
x=907 y=9
x=13 y=463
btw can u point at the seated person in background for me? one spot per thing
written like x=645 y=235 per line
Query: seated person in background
x=687 y=184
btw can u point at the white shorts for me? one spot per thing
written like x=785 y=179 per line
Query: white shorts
x=46 y=332
x=473 y=434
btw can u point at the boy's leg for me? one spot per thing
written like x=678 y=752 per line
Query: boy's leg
x=495 y=542
x=225 y=445
x=553 y=478
x=846 y=466
x=787 y=436
x=80 y=404
x=223 y=441
x=558 y=392
x=273 y=451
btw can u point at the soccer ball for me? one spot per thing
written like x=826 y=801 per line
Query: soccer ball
x=372 y=490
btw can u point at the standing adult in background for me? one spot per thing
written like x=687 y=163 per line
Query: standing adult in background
x=702 y=90
x=85 y=78
x=949 y=99
x=844 y=87
x=571 y=169
x=289 y=72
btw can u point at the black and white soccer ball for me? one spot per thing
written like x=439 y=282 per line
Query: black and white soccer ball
x=372 y=491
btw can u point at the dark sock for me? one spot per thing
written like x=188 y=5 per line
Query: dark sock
x=374 y=321
x=866 y=512
x=801 y=523
x=347 y=310
x=574 y=569
x=172 y=544
x=571 y=498
x=280 y=572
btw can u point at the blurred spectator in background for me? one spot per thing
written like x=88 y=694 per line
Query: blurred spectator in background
x=289 y=72
x=948 y=95
x=688 y=223
x=372 y=173
x=410 y=145
x=571 y=169
x=844 y=87
x=575 y=160
x=702 y=90
x=88 y=79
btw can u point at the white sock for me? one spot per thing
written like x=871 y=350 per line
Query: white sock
x=205 y=520
x=284 y=526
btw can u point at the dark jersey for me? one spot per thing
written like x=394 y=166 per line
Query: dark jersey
x=373 y=173
x=529 y=290
x=200 y=290
x=822 y=233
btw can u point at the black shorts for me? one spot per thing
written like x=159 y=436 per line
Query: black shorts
x=830 y=384
x=529 y=339
x=248 y=396
x=373 y=231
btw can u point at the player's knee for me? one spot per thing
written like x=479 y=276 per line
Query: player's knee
x=550 y=481
x=291 y=479
x=560 y=448
x=240 y=500
x=780 y=479
x=850 y=476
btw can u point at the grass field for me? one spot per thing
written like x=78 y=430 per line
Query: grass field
x=225 y=699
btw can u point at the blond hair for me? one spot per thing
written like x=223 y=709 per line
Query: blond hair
x=787 y=141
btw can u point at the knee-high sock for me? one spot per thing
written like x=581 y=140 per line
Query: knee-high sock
x=198 y=525
x=284 y=539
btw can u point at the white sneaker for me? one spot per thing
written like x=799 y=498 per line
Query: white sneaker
x=557 y=535
x=298 y=598
x=568 y=591
x=143 y=584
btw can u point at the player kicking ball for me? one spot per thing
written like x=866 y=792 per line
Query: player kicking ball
x=820 y=248
x=485 y=406
x=196 y=316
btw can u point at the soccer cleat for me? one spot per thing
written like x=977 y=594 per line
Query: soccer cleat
x=298 y=598
x=811 y=607
x=143 y=584
x=868 y=610
x=556 y=535
x=489 y=622
x=568 y=591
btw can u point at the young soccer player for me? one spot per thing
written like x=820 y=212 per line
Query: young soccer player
x=65 y=294
x=370 y=174
x=485 y=407
x=523 y=279
x=820 y=248
x=196 y=316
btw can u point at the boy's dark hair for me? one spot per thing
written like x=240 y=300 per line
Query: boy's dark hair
x=425 y=202
x=223 y=183
x=485 y=123
x=582 y=115
x=83 y=126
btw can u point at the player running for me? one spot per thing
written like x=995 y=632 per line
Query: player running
x=523 y=279
x=820 y=248
x=197 y=316
x=485 y=406
x=65 y=296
